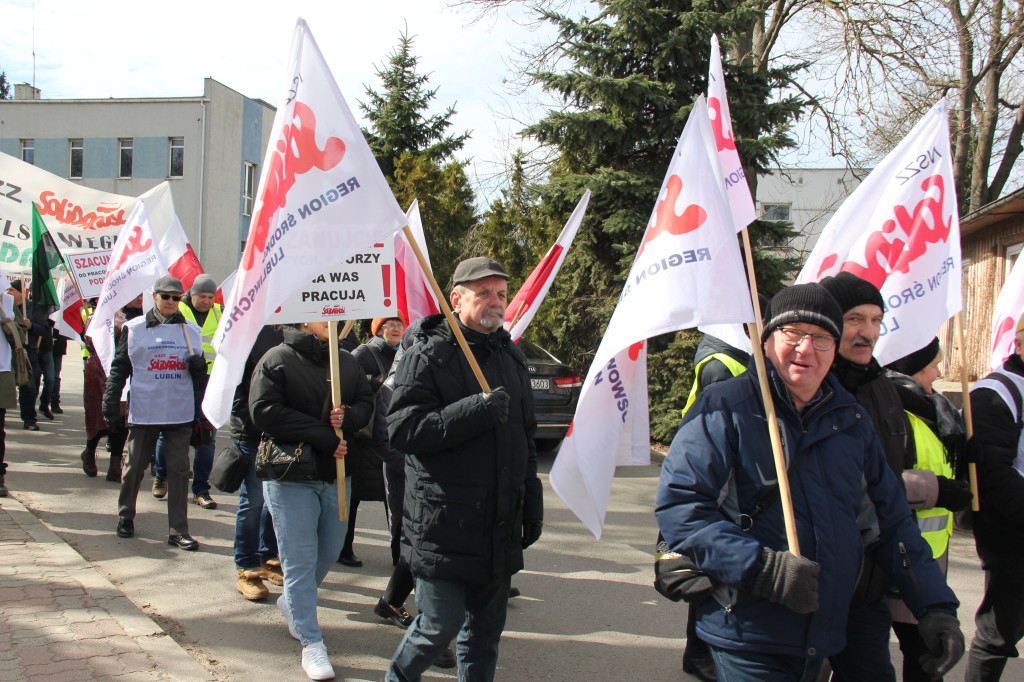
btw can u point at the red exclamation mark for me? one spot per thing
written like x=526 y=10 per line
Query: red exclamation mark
x=386 y=271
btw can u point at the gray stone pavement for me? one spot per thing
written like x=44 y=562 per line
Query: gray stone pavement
x=76 y=602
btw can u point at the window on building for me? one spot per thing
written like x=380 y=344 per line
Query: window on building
x=776 y=212
x=176 y=168
x=125 y=167
x=249 y=181
x=1012 y=254
x=76 y=158
x=28 y=151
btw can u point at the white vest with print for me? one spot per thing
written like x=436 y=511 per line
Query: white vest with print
x=161 y=383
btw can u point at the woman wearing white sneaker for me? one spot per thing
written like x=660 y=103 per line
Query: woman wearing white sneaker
x=289 y=399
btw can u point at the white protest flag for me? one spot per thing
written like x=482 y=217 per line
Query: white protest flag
x=1007 y=311
x=524 y=306
x=900 y=230
x=135 y=265
x=415 y=295
x=741 y=204
x=737 y=190
x=69 y=312
x=321 y=199
x=687 y=271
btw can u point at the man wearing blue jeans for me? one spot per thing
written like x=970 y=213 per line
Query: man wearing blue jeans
x=473 y=500
x=255 y=541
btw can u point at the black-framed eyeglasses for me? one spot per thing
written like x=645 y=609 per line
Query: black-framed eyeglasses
x=170 y=297
x=793 y=337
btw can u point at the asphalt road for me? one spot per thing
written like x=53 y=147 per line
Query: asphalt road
x=588 y=611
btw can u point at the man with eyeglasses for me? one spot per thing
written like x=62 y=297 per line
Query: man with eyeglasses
x=866 y=656
x=167 y=380
x=775 y=615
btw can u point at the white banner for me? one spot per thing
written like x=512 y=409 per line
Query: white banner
x=79 y=219
x=1008 y=309
x=360 y=289
x=687 y=271
x=321 y=199
x=135 y=265
x=900 y=230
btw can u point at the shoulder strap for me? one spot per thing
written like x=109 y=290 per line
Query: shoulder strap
x=378 y=358
x=770 y=497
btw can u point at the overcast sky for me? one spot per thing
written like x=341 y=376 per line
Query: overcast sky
x=117 y=48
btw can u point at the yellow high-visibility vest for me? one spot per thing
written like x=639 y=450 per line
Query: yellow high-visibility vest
x=732 y=364
x=208 y=330
x=936 y=524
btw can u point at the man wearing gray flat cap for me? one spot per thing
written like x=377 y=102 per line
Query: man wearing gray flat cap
x=199 y=308
x=473 y=501
x=167 y=382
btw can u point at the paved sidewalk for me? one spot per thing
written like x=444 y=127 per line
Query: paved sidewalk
x=61 y=620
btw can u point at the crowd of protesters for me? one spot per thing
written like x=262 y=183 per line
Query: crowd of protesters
x=876 y=463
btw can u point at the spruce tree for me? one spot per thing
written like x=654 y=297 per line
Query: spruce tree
x=630 y=77
x=398 y=118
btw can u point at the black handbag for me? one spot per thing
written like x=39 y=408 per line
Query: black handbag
x=230 y=466
x=285 y=461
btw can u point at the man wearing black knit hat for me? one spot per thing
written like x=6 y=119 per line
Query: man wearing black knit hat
x=774 y=615
x=866 y=656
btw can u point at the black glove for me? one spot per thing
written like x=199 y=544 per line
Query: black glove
x=789 y=580
x=115 y=423
x=196 y=365
x=954 y=495
x=531 y=532
x=497 y=402
x=941 y=634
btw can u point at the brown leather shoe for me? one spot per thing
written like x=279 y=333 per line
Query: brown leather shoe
x=250 y=585
x=89 y=462
x=271 y=572
x=159 y=488
x=205 y=501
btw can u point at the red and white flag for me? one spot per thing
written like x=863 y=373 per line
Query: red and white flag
x=900 y=230
x=68 y=318
x=415 y=298
x=687 y=271
x=135 y=265
x=1007 y=311
x=321 y=199
x=182 y=261
x=737 y=190
x=225 y=287
x=523 y=307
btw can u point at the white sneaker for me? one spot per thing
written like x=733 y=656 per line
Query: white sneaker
x=283 y=608
x=315 y=663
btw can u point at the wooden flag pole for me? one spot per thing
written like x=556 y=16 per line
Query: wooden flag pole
x=785 y=496
x=519 y=313
x=335 y=358
x=24 y=297
x=443 y=302
x=972 y=469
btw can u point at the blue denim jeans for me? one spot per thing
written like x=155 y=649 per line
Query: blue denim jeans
x=202 y=464
x=750 y=666
x=309 y=537
x=476 y=613
x=255 y=541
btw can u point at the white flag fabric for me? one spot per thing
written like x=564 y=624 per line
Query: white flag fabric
x=321 y=199
x=900 y=230
x=135 y=265
x=687 y=271
x=737 y=190
x=415 y=296
x=69 y=302
x=1008 y=309
x=531 y=295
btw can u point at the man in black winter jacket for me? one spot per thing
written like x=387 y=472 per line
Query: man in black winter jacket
x=996 y=406
x=473 y=501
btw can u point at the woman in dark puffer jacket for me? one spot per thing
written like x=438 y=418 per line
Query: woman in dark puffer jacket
x=290 y=402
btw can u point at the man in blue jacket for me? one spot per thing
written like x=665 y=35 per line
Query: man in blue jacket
x=775 y=615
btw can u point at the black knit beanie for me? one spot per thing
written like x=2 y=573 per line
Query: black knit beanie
x=810 y=303
x=916 y=361
x=851 y=291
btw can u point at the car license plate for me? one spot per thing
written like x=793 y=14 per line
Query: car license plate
x=540 y=384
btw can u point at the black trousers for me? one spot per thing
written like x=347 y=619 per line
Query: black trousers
x=1000 y=617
